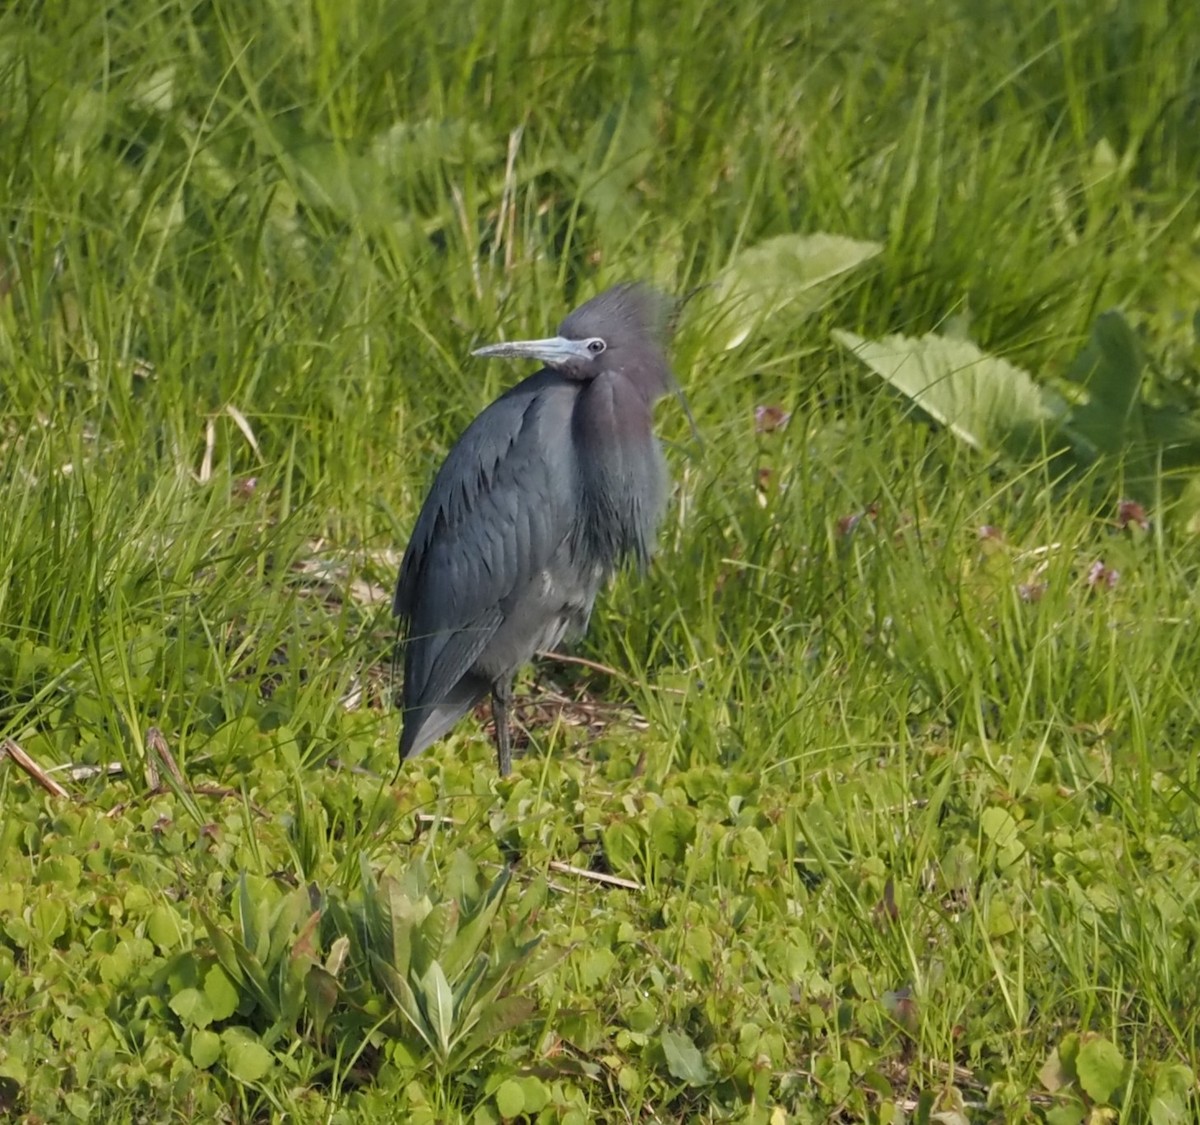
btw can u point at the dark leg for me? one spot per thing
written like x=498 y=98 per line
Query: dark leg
x=501 y=698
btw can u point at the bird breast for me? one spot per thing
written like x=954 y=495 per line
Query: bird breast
x=556 y=603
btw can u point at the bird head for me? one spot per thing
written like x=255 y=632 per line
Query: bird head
x=621 y=331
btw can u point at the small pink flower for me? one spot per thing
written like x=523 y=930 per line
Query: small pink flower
x=1130 y=511
x=769 y=418
x=1101 y=575
x=847 y=524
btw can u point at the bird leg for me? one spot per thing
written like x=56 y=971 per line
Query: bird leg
x=501 y=699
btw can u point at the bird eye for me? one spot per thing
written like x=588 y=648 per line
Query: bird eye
x=596 y=346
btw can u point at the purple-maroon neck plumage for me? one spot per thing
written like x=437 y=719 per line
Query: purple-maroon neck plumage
x=622 y=472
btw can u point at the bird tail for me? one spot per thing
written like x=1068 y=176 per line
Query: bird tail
x=424 y=725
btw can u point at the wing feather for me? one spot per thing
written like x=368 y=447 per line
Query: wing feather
x=497 y=511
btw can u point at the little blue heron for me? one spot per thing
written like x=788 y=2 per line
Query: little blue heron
x=544 y=496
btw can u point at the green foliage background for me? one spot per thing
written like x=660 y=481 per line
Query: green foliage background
x=910 y=829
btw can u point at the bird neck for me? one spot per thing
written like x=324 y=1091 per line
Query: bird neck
x=620 y=468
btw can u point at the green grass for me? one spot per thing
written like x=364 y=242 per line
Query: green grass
x=913 y=815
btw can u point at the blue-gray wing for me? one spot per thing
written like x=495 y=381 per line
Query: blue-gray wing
x=497 y=511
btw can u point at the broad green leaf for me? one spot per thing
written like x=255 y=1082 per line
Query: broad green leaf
x=246 y=1059
x=116 y=966
x=221 y=995
x=436 y=933
x=165 y=928
x=1110 y=369
x=485 y=1114
x=224 y=946
x=684 y=1060
x=950 y=1108
x=1070 y=1112
x=792 y=274
x=205 y=1049
x=982 y=399
x=464 y=990
x=17 y=930
x=622 y=846
x=62 y=872
x=292 y=988
x=758 y=855
x=596 y=965
x=322 y=991
x=255 y=976
x=339 y=950
x=1068 y=1052
x=50 y=920
x=255 y=913
x=833 y=1075
x=416 y=150
x=401 y=992
x=405 y=917
x=377 y=916
x=14 y=1067
x=461 y=881
x=364 y=183
x=999 y=917
x=303 y=950
x=1170 y=1103
x=192 y=1007
x=672 y=829
x=495 y=986
x=510 y=1098
x=534 y=1093
x=698 y=941
x=1101 y=1069
x=12 y=899
x=537 y=958
x=1177 y=434
x=950 y=1116
x=998 y=826
x=494 y=1019
x=473 y=931
x=439 y=1005
x=284 y=923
